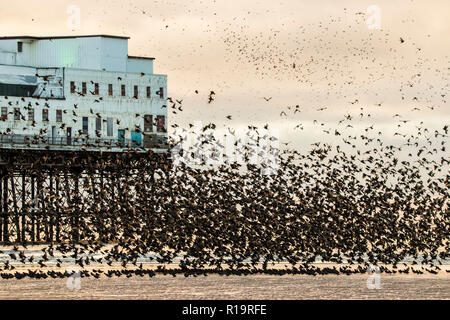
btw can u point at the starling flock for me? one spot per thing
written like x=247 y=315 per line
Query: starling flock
x=348 y=206
x=357 y=202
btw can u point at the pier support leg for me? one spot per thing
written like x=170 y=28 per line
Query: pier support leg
x=57 y=213
x=38 y=210
x=1 y=208
x=76 y=235
x=24 y=208
x=51 y=214
x=16 y=209
x=5 y=211
x=33 y=208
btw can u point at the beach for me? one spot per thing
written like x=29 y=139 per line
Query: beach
x=216 y=286
x=231 y=287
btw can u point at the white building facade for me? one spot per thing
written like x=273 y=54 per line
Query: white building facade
x=79 y=92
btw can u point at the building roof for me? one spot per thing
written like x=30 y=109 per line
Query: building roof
x=61 y=37
x=145 y=58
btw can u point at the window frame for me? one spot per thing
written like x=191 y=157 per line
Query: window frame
x=150 y=127
x=4 y=113
x=110 y=127
x=17 y=114
x=85 y=131
x=46 y=118
x=59 y=115
x=31 y=112
x=98 y=124
x=162 y=128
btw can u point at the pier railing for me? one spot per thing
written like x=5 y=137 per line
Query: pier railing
x=37 y=141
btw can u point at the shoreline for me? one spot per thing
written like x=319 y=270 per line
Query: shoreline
x=232 y=287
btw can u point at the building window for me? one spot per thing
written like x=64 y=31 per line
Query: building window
x=110 y=89
x=31 y=114
x=19 y=46
x=161 y=123
x=148 y=92
x=58 y=115
x=96 y=89
x=109 y=128
x=161 y=93
x=85 y=125
x=148 y=123
x=4 y=113
x=123 y=90
x=136 y=92
x=72 y=86
x=16 y=114
x=98 y=124
x=83 y=88
x=44 y=114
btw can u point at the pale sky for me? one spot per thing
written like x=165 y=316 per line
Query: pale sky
x=246 y=50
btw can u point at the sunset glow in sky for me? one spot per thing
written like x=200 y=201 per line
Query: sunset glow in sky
x=321 y=55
